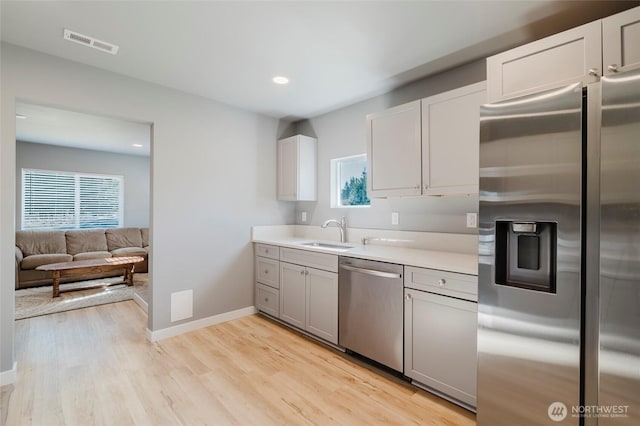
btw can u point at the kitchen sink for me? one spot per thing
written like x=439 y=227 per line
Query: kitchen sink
x=327 y=246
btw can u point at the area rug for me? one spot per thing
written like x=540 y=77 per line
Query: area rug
x=33 y=302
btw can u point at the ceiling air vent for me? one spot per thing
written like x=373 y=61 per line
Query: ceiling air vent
x=90 y=42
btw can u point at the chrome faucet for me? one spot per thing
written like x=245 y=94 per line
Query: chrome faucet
x=342 y=226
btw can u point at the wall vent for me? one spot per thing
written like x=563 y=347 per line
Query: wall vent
x=90 y=42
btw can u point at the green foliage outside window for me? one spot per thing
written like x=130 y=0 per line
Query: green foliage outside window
x=354 y=192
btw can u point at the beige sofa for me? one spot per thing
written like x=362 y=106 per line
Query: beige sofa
x=42 y=247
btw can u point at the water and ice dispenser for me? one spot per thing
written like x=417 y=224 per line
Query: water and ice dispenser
x=526 y=255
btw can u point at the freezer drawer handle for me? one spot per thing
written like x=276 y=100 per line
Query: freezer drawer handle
x=371 y=272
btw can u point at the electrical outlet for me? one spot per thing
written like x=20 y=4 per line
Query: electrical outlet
x=472 y=220
x=395 y=218
x=303 y=216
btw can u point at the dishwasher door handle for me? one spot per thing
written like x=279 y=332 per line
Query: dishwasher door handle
x=371 y=272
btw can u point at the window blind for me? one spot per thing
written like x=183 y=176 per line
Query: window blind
x=63 y=200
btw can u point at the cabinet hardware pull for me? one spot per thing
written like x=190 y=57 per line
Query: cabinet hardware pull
x=442 y=282
x=613 y=67
x=593 y=72
x=408 y=297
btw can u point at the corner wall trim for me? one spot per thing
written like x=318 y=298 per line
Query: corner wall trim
x=141 y=302
x=154 y=336
x=10 y=376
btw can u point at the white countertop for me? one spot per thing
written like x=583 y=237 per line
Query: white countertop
x=445 y=261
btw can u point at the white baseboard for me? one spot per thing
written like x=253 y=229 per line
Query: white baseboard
x=154 y=336
x=10 y=376
x=141 y=302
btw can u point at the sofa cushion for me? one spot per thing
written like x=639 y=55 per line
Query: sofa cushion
x=92 y=255
x=41 y=242
x=86 y=240
x=123 y=237
x=35 y=260
x=144 y=233
x=129 y=251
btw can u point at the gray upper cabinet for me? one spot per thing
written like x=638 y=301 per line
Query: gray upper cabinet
x=581 y=54
x=297 y=168
x=620 y=49
x=450 y=140
x=426 y=147
x=561 y=59
x=394 y=151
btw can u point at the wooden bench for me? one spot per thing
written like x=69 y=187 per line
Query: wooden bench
x=81 y=267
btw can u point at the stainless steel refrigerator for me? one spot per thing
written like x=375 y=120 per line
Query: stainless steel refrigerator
x=559 y=257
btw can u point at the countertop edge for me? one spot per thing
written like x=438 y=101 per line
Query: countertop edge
x=461 y=263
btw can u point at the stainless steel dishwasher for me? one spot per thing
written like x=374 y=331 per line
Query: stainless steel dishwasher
x=370 y=314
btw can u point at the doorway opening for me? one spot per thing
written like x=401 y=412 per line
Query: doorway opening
x=83 y=191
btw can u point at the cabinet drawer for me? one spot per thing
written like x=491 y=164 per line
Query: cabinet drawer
x=267 y=271
x=266 y=250
x=447 y=283
x=327 y=262
x=268 y=300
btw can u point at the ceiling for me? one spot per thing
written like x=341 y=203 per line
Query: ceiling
x=334 y=53
x=54 y=126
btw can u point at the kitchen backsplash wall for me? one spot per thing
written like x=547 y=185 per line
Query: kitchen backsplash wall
x=342 y=133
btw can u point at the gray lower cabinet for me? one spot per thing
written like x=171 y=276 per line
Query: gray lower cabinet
x=267 y=269
x=309 y=300
x=293 y=291
x=268 y=299
x=440 y=343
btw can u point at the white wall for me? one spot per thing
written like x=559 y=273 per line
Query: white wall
x=133 y=168
x=342 y=133
x=212 y=178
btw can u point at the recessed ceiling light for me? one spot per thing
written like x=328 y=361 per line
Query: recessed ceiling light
x=280 y=79
x=20 y=116
x=137 y=145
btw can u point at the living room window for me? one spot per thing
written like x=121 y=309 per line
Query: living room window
x=67 y=200
x=349 y=182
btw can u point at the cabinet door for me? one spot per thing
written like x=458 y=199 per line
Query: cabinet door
x=394 y=151
x=440 y=343
x=551 y=62
x=322 y=304
x=621 y=41
x=292 y=294
x=288 y=169
x=267 y=300
x=451 y=140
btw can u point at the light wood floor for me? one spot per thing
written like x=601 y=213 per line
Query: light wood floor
x=94 y=367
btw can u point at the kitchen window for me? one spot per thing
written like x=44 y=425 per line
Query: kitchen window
x=67 y=200
x=349 y=182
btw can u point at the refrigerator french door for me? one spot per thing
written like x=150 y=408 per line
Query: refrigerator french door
x=619 y=284
x=559 y=278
